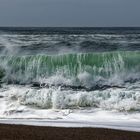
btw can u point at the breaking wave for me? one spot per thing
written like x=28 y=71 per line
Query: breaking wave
x=76 y=70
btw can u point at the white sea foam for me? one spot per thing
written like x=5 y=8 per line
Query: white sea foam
x=112 y=108
x=120 y=99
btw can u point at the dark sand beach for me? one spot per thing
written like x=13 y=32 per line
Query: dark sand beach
x=20 y=132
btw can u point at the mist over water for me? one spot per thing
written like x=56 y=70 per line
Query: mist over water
x=69 y=68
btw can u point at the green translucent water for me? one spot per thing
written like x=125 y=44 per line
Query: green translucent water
x=101 y=64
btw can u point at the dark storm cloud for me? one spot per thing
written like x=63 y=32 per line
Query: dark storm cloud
x=69 y=13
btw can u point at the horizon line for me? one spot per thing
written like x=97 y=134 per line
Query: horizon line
x=69 y=26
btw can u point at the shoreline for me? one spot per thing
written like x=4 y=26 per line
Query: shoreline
x=25 y=132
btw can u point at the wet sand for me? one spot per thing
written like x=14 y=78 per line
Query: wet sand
x=21 y=132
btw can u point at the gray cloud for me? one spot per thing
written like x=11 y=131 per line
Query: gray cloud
x=69 y=13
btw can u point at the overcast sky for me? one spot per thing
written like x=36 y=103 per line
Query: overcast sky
x=70 y=13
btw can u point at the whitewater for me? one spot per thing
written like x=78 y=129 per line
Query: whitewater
x=70 y=77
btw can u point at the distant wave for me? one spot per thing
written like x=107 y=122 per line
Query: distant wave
x=30 y=44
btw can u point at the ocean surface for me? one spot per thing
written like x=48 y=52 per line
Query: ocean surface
x=52 y=73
